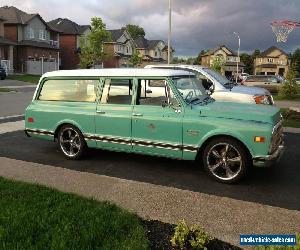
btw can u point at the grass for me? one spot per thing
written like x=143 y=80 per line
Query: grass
x=280 y=98
x=25 y=78
x=5 y=90
x=290 y=118
x=36 y=217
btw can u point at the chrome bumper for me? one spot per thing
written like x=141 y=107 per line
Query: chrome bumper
x=269 y=160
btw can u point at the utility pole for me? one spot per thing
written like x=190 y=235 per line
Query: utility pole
x=170 y=32
x=238 y=59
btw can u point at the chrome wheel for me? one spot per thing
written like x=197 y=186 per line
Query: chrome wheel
x=224 y=161
x=70 y=142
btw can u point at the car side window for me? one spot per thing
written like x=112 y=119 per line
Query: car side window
x=117 y=91
x=70 y=90
x=155 y=93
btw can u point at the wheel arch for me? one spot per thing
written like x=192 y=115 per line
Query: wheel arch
x=63 y=123
x=212 y=137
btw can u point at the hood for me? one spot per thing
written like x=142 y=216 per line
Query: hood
x=241 y=111
x=250 y=90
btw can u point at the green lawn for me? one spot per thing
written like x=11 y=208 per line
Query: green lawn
x=25 y=78
x=5 y=90
x=279 y=98
x=290 y=118
x=36 y=217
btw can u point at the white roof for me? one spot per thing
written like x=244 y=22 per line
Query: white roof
x=183 y=66
x=118 y=72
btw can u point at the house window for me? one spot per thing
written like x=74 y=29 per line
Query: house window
x=260 y=60
x=270 y=60
x=31 y=33
x=127 y=49
x=155 y=53
x=42 y=35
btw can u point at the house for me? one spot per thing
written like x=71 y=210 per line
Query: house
x=35 y=44
x=228 y=56
x=153 y=51
x=273 y=61
x=6 y=50
x=119 y=49
x=71 y=33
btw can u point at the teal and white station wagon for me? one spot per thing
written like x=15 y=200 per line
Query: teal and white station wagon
x=157 y=112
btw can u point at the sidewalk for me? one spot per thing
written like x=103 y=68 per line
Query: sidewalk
x=287 y=104
x=222 y=217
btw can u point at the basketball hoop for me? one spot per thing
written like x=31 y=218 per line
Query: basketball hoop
x=282 y=29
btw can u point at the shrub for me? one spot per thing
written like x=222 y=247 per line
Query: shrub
x=289 y=88
x=194 y=237
x=180 y=236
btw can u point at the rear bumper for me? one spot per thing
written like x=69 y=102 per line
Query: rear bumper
x=269 y=160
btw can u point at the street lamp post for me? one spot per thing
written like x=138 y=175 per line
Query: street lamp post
x=237 y=63
x=169 y=35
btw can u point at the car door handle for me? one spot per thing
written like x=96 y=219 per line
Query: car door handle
x=137 y=114
x=100 y=112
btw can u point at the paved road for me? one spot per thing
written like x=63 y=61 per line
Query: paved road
x=14 y=103
x=277 y=187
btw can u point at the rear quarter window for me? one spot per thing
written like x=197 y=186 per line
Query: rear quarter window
x=71 y=90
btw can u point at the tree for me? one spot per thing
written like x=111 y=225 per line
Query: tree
x=134 y=30
x=256 y=53
x=289 y=88
x=248 y=61
x=296 y=60
x=218 y=63
x=136 y=59
x=92 y=45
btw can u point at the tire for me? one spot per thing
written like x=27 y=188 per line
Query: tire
x=226 y=160
x=71 y=142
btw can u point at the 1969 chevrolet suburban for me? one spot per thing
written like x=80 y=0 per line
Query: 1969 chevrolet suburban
x=157 y=112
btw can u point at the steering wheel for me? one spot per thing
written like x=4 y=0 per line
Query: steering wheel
x=189 y=95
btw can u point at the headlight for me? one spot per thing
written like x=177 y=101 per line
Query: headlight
x=263 y=99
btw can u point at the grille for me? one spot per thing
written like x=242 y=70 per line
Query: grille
x=276 y=137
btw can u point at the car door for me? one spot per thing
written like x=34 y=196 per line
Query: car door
x=113 y=114
x=156 y=119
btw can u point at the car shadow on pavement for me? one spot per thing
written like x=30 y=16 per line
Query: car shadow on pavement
x=277 y=186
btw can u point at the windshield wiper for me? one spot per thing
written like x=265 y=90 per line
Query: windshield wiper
x=194 y=99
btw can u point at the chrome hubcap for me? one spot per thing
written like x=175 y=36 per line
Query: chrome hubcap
x=70 y=142
x=224 y=161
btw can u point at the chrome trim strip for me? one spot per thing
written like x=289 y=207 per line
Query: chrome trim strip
x=152 y=144
x=39 y=131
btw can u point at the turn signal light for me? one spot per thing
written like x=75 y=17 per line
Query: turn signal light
x=30 y=119
x=259 y=139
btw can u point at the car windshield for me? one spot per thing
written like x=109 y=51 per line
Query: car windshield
x=191 y=89
x=218 y=77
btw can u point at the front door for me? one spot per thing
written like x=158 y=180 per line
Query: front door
x=113 y=114
x=156 y=119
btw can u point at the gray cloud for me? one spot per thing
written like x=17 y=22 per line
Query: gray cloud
x=197 y=24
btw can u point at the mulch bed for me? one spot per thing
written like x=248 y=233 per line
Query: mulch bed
x=159 y=235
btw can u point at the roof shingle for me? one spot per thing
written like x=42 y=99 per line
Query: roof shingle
x=68 y=27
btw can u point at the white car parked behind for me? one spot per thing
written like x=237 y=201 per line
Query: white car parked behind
x=221 y=88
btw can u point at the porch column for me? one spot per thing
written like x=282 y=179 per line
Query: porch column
x=11 y=58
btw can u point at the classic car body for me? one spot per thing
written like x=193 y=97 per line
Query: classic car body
x=114 y=109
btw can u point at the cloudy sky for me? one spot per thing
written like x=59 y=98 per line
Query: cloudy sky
x=197 y=24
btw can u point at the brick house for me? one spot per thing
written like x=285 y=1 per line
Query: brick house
x=272 y=61
x=71 y=33
x=229 y=57
x=6 y=50
x=153 y=51
x=35 y=43
x=119 y=49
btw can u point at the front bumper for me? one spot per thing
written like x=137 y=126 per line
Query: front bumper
x=269 y=160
